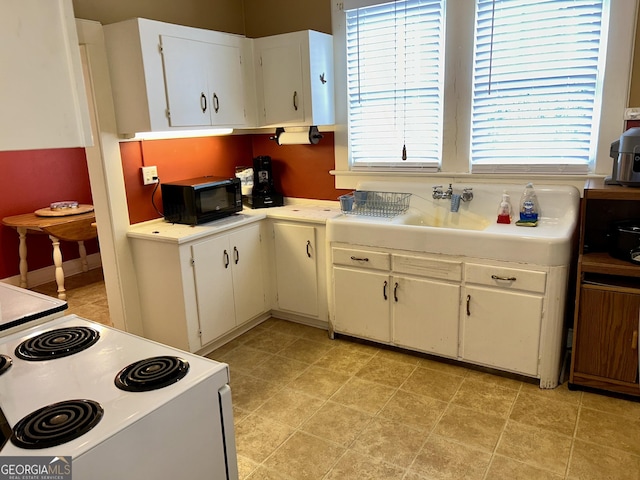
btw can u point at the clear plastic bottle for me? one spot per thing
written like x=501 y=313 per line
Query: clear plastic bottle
x=504 y=210
x=529 y=205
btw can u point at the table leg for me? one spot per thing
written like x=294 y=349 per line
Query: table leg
x=83 y=256
x=22 y=252
x=57 y=261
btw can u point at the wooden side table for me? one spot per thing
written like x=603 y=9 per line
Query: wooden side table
x=73 y=228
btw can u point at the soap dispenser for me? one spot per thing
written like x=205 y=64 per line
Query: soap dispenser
x=504 y=210
x=529 y=205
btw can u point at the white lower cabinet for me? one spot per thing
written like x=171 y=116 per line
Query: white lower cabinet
x=296 y=268
x=361 y=303
x=422 y=314
x=401 y=309
x=196 y=292
x=228 y=281
x=299 y=271
x=501 y=329
x=491 y=314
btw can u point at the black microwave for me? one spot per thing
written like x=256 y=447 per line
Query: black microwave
x=200 y=200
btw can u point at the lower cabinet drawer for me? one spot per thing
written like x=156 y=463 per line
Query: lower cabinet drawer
x=361 y=258
x=427 y=267
x=507 y=278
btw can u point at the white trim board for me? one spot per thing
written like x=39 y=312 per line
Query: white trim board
x=47 y=274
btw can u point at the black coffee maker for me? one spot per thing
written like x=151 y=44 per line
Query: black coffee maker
x=263 y=194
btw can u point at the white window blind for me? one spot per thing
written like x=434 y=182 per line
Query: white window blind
x=395 y=69
x=536 y=85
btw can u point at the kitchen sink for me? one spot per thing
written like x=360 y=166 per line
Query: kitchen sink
x=429 y=226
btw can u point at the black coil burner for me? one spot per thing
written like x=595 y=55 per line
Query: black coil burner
x=56 y=424
x=5 y=363
x=151 y=374
x=58 y=343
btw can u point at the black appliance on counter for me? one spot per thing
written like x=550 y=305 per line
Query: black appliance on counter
x=263 y=193
x=624 y=240
x=200 y=200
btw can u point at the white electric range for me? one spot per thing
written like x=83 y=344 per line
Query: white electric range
x=121 y=406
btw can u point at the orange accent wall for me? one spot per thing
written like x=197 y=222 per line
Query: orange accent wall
x=300 y=171
x=33 y=179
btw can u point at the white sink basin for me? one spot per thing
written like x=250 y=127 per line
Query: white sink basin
x=443 y=219
x=428 y=226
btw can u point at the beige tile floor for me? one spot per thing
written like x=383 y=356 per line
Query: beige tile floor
x=86 y=295
x=307 y=407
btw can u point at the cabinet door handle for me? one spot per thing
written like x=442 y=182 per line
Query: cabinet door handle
x=359 y=259
x=506 y=279
x=634 y=340
x=236 y=255
x=395 y=292
x=216 y=103
x=384 y=290
x=309 y=248
x=225 y=256
x=203 y=102
x=295 y=101
x=468 y=302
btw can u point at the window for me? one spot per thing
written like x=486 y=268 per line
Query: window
x=395 y=71
x=498 y=86
x=536 y=84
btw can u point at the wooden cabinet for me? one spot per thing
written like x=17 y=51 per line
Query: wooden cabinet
x=294 y=79
x=44 y=103
x=605 y=331
x=194 y=294
x=169 y=77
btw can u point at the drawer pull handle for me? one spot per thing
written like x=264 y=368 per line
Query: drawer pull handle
x=395 y=292
x=308 y=248
x=359 y=259
x=468 y=302
x=505 y=279
x=236 y=255
x=634 y=340
x=384 y=290
x=225 y=256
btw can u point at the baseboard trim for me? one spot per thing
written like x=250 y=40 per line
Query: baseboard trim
x=47 y=274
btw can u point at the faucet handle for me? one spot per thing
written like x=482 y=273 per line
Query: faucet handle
x=436 y=187
x=467 y=194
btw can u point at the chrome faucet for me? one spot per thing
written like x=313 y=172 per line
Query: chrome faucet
x=465 y=196
x=439 y=194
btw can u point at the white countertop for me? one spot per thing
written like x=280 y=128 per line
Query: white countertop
x=301 y=210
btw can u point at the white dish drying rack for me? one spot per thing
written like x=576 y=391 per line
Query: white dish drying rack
x=374 y=204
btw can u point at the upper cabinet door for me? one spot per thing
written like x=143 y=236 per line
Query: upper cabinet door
x=185 y=78
x=282 y=84
x=44 y=103
x=294 y=79
x=167 y=77
x=226 y=88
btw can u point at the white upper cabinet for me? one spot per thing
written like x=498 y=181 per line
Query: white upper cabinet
x=202 y=81
x=170 y=77
x=294 y=79
x=44 y=104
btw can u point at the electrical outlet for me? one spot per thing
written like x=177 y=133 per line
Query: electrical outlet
x=149 y=175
